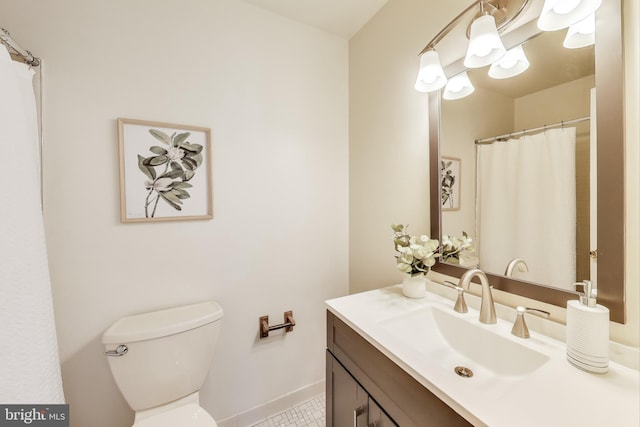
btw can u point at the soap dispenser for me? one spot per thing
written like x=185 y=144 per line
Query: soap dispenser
x=588 y=331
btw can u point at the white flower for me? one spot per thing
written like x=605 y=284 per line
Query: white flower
x=160 y=184
x=417 y=253
x=175 y=153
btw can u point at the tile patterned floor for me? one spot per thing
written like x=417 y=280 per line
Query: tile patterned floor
x=308 y=414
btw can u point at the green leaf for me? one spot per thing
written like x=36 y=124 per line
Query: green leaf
x=172 y=174
x=194 y=148
x=189 y=163
x=180 y=138
x=158 y=150
x=198 y=158
x=155 y=160
x=149 y=172
x=188 y=175
x=160 y=136
x=171 y=203
x=180 y=194
x=171 y=195
x=178 y=184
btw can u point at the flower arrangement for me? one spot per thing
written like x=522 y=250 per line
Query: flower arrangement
x=453 y=247
x=417 y=253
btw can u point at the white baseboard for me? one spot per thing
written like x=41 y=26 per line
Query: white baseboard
x=268 y=409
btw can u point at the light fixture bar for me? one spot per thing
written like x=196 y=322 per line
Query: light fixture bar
x=451 y=25
x=447 y=29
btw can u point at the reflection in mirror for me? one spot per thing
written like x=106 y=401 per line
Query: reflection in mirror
x=609 y=159
x=503 y=185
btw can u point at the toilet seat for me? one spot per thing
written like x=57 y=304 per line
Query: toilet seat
x=189 y=415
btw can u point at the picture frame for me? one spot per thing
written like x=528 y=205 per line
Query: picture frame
x=450 y=183
x=165 y=171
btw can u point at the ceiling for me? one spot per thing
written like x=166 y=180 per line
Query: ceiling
x=340 y=17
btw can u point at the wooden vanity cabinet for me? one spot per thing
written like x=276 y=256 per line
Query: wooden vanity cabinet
x=351 y=405
x=366 y=389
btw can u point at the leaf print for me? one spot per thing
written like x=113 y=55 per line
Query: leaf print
x=155 y=161
x=180 y=194
x=194 y=148
x=170 y=202
x=149 y=172
x=168 y=169
x=178 y=184
x=158 y=150
x=180 y=138
x=160 y=136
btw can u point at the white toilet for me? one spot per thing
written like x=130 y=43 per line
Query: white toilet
x=160 y=360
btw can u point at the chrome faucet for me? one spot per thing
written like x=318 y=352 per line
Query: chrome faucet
x=487 y=307
x=513 y=264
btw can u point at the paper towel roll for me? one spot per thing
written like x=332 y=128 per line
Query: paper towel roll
x=588 y=330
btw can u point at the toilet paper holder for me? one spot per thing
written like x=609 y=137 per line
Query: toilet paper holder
x=289 y=323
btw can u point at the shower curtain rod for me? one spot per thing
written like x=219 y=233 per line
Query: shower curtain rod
x=522 y=132
x=13 y=47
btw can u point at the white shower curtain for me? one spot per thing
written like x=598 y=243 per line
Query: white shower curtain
x=526 y=206
x=29 y=361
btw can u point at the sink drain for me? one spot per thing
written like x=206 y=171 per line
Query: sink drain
x=463 y=372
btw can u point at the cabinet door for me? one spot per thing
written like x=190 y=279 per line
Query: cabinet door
x=348 y=400
x=377 y=417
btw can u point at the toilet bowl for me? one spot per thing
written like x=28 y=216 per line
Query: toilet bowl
x=160 y=360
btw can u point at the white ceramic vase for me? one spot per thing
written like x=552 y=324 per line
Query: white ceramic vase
x=414 y=286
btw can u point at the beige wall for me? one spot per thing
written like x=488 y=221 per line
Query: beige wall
x=388 y=134
x=388 y=145
x=553 y=105
x=275 y=96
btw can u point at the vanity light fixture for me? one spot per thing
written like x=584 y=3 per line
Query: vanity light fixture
x=581 y=34
x=559 y=14
x=458 y=87
x=514 y=62
x=485 y=45
x=430 y=75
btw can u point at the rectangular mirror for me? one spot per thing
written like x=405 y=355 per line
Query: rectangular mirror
x=455 y=124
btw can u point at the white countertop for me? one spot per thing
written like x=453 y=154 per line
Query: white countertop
x=555 y=394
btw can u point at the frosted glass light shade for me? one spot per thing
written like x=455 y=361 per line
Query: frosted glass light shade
x=514 y=62
x=581 y=34
x=485 y=45
x=559 y=14
x=458 y=87
x=430 y=75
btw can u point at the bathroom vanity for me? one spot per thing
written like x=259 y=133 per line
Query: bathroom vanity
x=391 y=361
x=365 y=388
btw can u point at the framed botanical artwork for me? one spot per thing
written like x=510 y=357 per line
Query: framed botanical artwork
x=450 y=175
x=165 y=171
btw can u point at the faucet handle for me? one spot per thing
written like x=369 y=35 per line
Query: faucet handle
x=520 y=328
x=460 y=305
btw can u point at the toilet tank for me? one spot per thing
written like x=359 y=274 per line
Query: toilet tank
x=168 y=355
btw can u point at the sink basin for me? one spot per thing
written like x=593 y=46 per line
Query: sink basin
x=450 y=339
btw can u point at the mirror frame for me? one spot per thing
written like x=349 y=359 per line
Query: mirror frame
x=610 y=172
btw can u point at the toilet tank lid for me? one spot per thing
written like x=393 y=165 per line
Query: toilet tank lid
x=162 y=323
